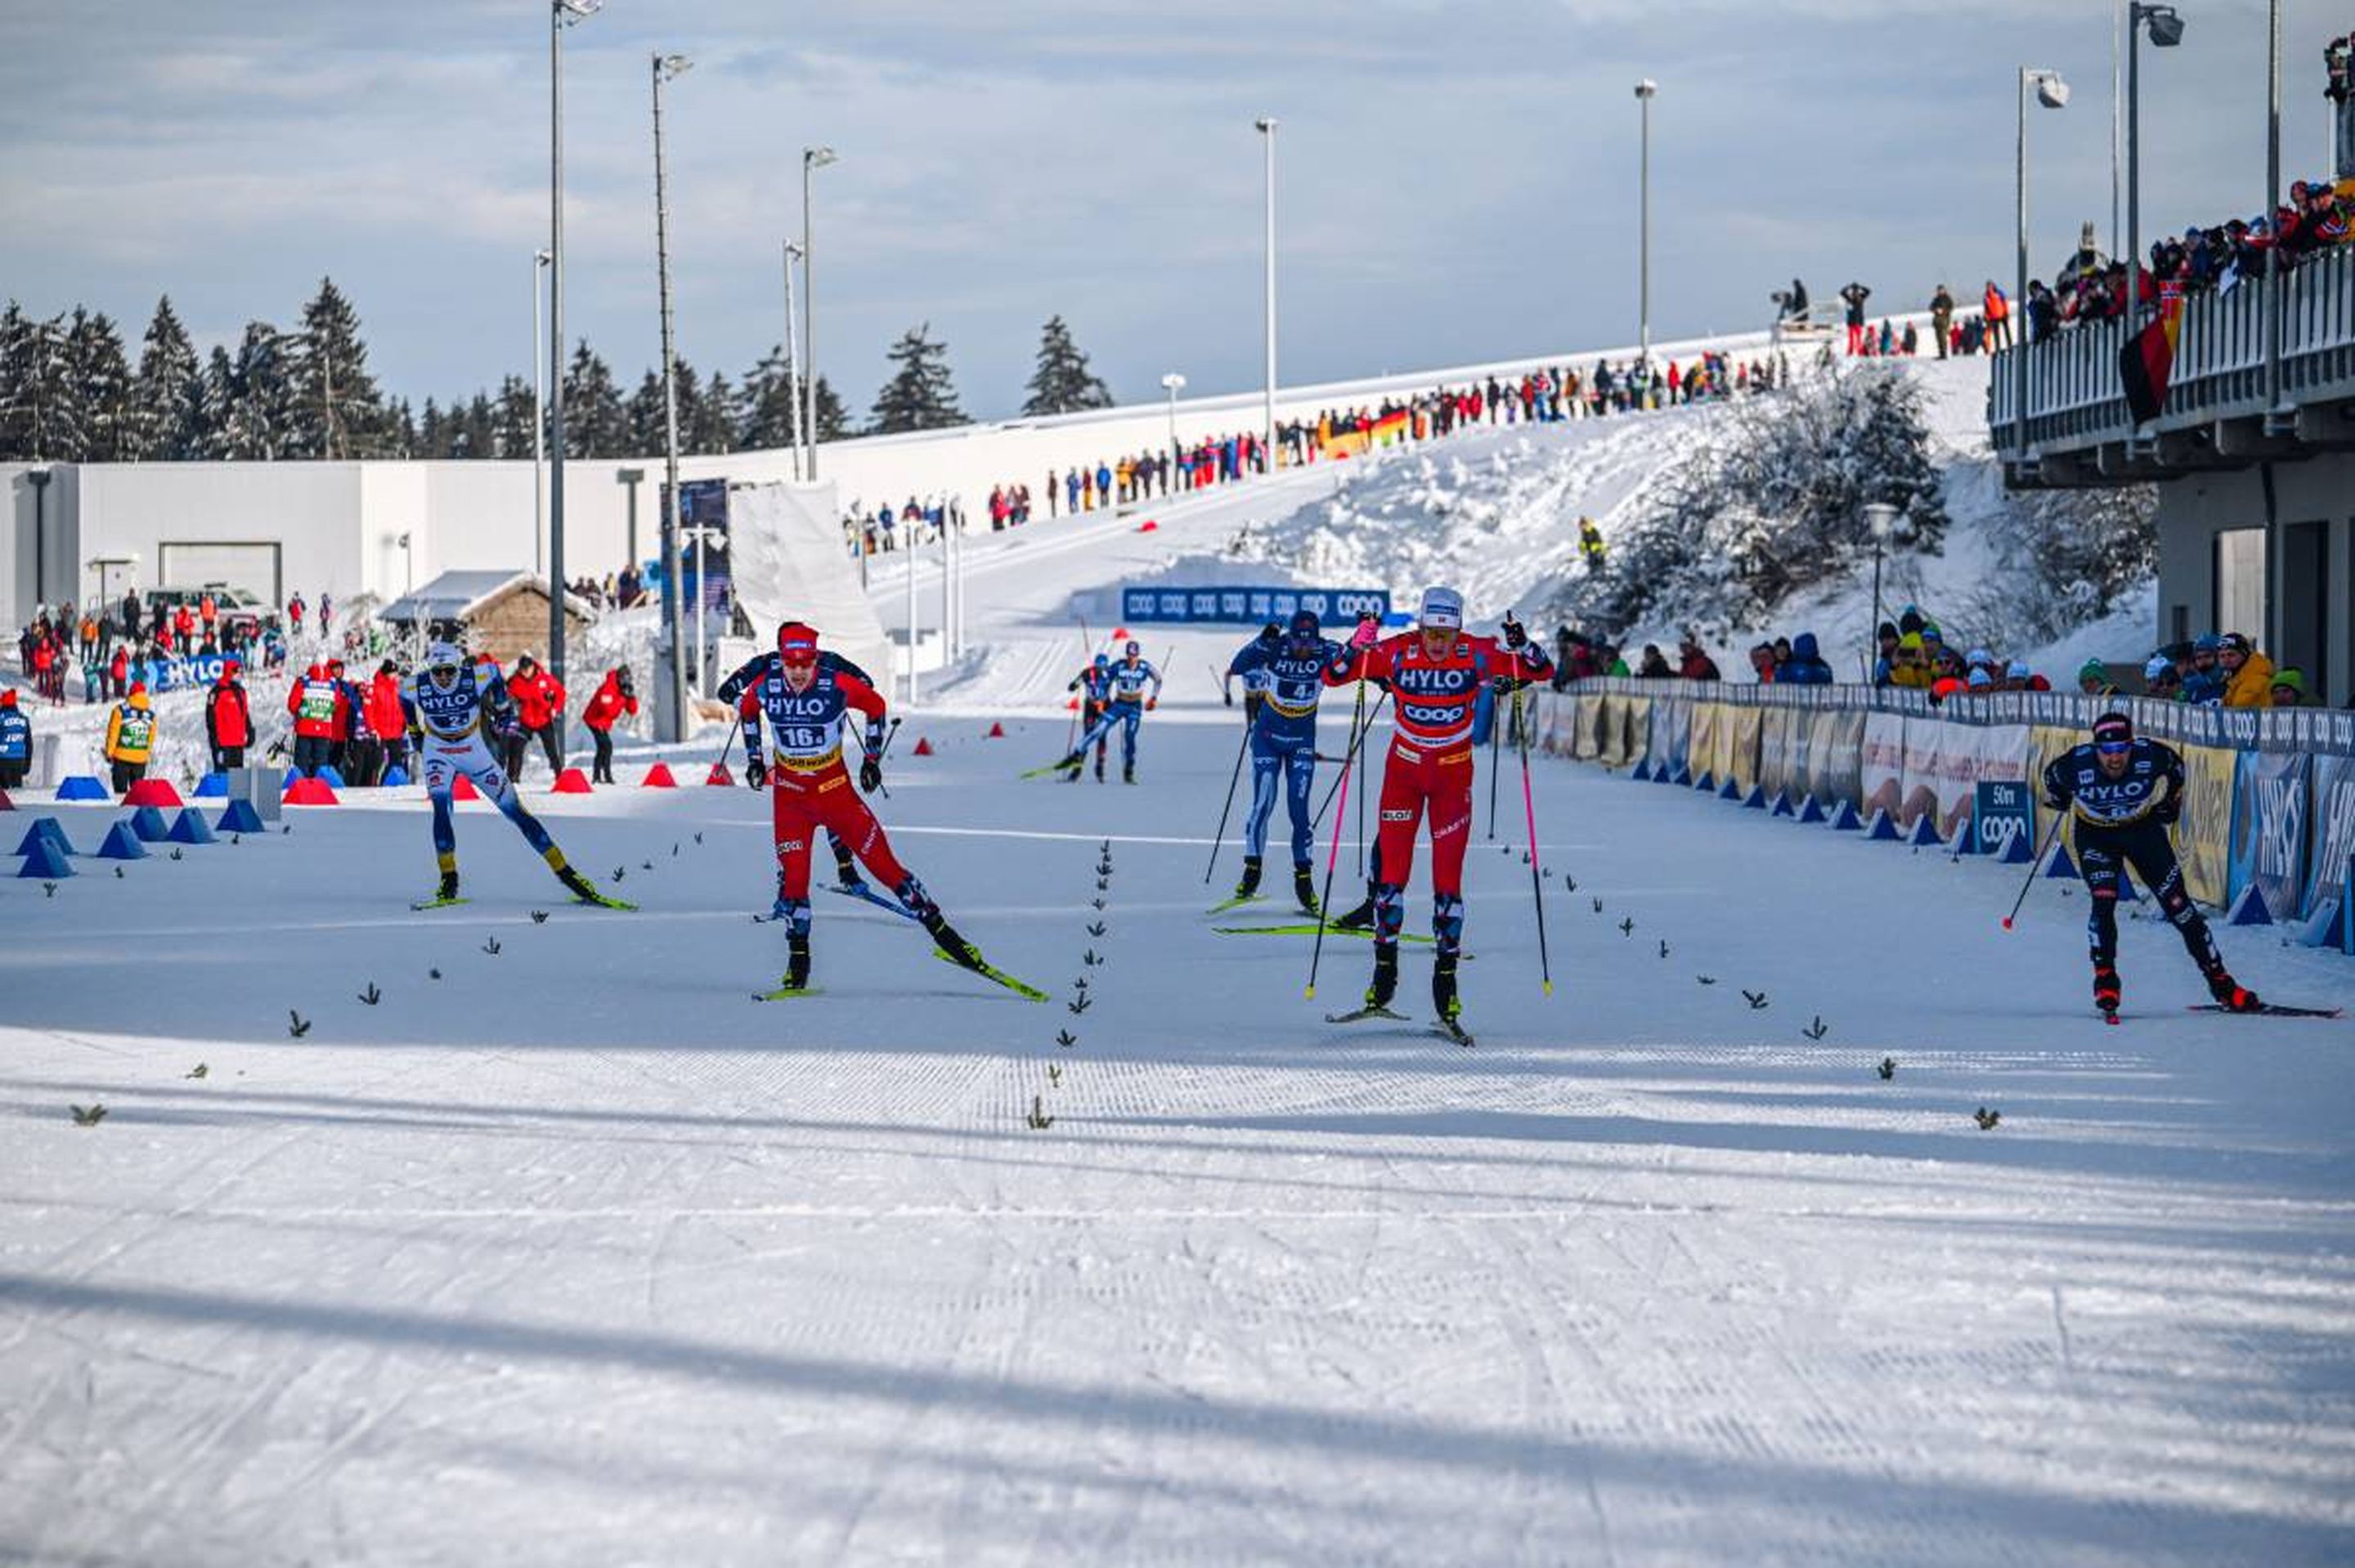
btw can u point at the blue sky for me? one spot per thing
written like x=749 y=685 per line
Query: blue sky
x=1457 y=178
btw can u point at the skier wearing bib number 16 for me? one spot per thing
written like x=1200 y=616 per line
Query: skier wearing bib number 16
x=806 y=703
x=457 y=701
x=1436 y=673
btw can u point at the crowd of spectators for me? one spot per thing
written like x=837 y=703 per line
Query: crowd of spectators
x=2318 y=216
x=116 y=647
x=1541 y=395
x=616 y=590
x=2224 y=670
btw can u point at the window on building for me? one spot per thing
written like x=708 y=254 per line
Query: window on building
x=2240 y=582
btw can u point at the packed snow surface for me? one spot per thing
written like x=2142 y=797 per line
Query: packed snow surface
x=565 y=1250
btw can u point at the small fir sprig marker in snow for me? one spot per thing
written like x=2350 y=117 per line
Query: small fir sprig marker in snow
x=371 y=996
x=1817 y=1030
x=1888 y=1068
x=1756 y=999
x=1038 y=1119
x=540 y=916
x=1987 y=1119
x=1097 y=928
x=491 y=945
x=199 y=1071
x=1066 y=1039
x=296 y=1025
x=87 y=1116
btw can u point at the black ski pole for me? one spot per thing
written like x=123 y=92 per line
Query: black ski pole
x=1317 y=955
x=1233 y=779
x=2034 y=867
x=1537 y=883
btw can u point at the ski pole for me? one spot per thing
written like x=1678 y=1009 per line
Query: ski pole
x=1537 y=883
x=1354 y=755
x=2034 y=867
x=1233 y=779
x=1333 y=859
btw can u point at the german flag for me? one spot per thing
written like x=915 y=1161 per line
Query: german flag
x=2148 y=358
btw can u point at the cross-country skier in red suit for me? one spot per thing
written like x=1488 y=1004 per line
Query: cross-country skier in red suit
x=1436 y=674
x=807 y=705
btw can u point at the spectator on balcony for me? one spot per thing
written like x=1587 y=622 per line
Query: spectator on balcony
x=2093 y=675
x=2248 y=674
x=2289 y=687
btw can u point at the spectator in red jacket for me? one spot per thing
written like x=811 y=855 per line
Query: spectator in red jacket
x=388 y=722
x=538 y=700
x=1694 y=663
x=616 y=699
x=229 y=720
x=314 y=701
x=118 y=673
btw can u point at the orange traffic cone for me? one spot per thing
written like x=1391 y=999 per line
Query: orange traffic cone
x=719 y=775
x=658 y=777
x=923 y=746
x=997 y=731
x=571 y=781
x=462 y=789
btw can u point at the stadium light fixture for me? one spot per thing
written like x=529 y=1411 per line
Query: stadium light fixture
x=2165 y=28
x=812 y=158
x=1645 y=90
x=1174 y=383
x=2053 y=92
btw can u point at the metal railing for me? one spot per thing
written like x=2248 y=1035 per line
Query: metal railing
x=2075 y=396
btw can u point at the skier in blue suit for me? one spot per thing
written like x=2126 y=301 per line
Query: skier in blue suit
x=1283 y=742
x=1128 y=702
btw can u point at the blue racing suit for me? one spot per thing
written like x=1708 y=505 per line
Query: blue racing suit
x=1284 y=734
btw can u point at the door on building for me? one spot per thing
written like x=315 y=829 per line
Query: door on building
x=256 y=568
x=2240 y=583
x=2305 y=604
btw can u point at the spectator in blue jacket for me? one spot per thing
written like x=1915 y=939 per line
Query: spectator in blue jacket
x=2204 y=683
x=1806 y=666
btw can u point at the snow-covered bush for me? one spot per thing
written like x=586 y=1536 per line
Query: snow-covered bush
x=2062 y=558
x=1774 y=505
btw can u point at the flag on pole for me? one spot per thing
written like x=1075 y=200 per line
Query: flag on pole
x=2148 y=358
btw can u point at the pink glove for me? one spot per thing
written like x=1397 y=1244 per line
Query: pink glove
x=1366 y=634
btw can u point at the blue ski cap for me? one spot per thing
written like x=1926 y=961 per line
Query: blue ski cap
x=1305 y=627
x=1102 y=659
x=1443 y=609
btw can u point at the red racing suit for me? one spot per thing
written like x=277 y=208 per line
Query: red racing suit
x=808 y=786
x=1428 y=772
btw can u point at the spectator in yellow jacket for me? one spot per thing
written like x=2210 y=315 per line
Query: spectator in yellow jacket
x=2248 y=674
x=1910 y=666
x=131 y=737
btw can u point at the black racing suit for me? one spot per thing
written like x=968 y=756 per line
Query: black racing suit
x=2123 y=822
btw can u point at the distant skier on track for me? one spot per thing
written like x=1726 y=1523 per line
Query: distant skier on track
x=2125 y=790
x=1289 y=673
x=806 y=704
x=1436 y=674
x=456 y=702
x=1128 y=704
x=1093 y=682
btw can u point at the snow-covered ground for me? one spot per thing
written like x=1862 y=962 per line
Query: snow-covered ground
x=564 y=1250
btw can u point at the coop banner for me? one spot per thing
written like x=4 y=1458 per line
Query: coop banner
x=2203 y=838
x=1881 y=763
x=1251 y=606
x=2333 y=795
x=2269 y=828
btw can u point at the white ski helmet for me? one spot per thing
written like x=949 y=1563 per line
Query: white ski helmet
x=1443 y=608
x=444 y=656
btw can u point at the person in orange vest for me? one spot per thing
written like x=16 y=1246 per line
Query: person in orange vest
x=615 y=698
x=229 y=720
x=538 y=699
x=313 y=702
x=1999 y=317
x=207 y=611
x=184 y=624
x=129 y=738
x=386 y=719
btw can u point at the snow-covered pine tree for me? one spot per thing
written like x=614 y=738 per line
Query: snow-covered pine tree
x=216 y=406
x=718 y=413
x=1062 y=383
x=168 y=412
x=920 y=395
x=769 y=415
x=644 y=412
x=101 y=388
x=833 y=421
x=478 y=429
x=512 y=417
x=259 y=416
x=687 y=387
x=595 y=423
x=37 y=421
x=432 y=433
x=333 y=408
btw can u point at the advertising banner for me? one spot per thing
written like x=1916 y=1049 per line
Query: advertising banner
x=1776 y=730
x=1635 y=728
x=2269 y=828
x=1833 y=758
x=1672 y=730
x=2333 y=796
x=2003 y=810
x=1251 y=606
x=2204 y=837
x=1741 y=748
x=1918 y=791
x=1881 y=763
x=1610 y=731
x=1707 y=718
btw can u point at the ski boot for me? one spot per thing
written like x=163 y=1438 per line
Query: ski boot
x=1248 y=886
x=1303 y=888
x=2230 y=995
x=2106 y=990
x=1128 y=773
x=447 y=893
x=579 y=887
x=1100 y=778
x=1385 y=985
x=1361 y=918
x=846 y=870
x=797 y=961
x=945 y=937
